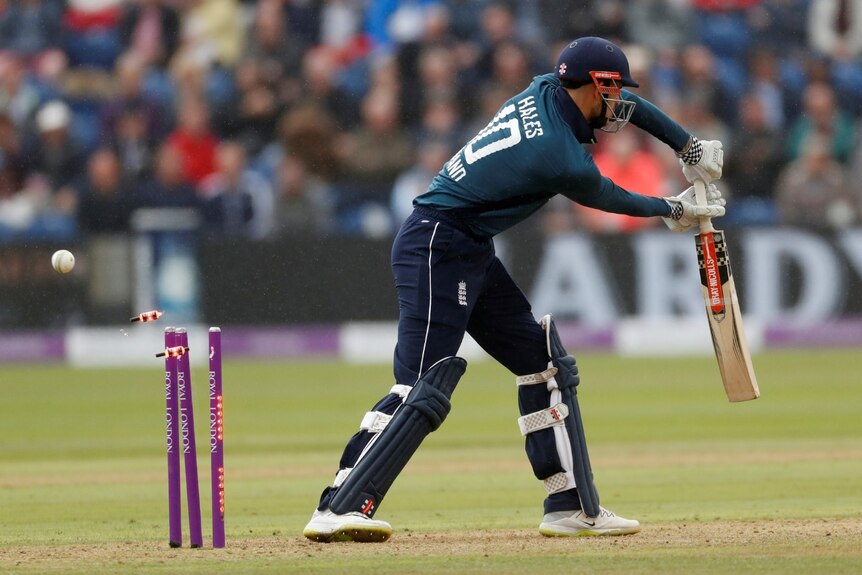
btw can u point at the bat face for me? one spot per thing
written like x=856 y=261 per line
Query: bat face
x=725 y=317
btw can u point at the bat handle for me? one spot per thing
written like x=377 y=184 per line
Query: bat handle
x=700 y=198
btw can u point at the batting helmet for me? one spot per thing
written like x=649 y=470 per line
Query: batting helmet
x=592 y=54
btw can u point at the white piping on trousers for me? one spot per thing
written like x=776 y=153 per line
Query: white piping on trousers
x=430 y=298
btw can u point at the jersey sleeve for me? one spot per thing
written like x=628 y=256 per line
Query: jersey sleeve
x=612 y=198
x=648 y=117
x=589 y=188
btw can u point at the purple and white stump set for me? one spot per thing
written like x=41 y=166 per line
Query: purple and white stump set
x=180 y=434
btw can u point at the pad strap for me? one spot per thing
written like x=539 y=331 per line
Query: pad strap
x=562 y=481
x=400 y=390
x=552 y=416
x=534 y=378
x=341 y=476
x=374 y=422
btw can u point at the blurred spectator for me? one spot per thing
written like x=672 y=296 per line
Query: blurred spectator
x=30 y=28
x=309 y=134
x=374 y=154
x=696 y=115
x=435 y=77
x=239 y=201
x=754 y=165
x=609 y=20
x=187 y=78
x=19 y=211
x=19 y=98
x=564 y=20
x=430 y=157
x=511 y=68
x=319 y=69
x=779 y=25
x=305 y=203
x=441 y=121
x=91 y=32
x=194 y=141
x=132 y=143
x=465 y=16
x=11 y=162
x=835 y=31
x=212 y=31
x=624 y=160
x=822 y=119
x=835 y=28
x=304 y=21
x=701 y=82
x=253 y=113
x=275 y=50
x=169 y=185
x=53 y=153
x=497 y=25
x=105 y=201
x=150 y=29
x=371 y=157
x=765 y=85
x=814 y=190
x=129 y=94
x=724 y=27
x=340 y=23
x=397 y=21
x=659 y=24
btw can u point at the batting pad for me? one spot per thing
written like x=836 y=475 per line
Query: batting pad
x=423 y=411
x=568 y=379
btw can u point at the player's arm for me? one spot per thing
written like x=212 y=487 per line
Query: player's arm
x=589 y=188
x=701 y=160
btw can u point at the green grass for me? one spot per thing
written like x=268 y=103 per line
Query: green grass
x=82 y=469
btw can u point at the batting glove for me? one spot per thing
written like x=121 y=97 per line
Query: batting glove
x=685 y=213
x=702 y=160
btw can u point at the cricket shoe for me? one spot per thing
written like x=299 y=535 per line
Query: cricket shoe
x=326 y=527
x=577 y=523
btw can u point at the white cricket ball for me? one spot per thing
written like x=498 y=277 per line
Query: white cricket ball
x=63 y=261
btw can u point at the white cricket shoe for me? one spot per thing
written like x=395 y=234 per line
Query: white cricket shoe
x=574 y=524
x=326 y=527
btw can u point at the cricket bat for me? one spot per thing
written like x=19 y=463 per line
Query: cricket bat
x=722 y=309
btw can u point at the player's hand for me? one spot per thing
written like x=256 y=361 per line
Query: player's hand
x=704 y=161
x=685 y=213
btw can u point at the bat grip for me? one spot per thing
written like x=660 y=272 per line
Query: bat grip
x=700 y=198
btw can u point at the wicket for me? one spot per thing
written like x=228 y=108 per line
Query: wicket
x=216 y=437
x=173 y=440
x=180 y=433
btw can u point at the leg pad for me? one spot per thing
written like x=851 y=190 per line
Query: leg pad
x=423 y=411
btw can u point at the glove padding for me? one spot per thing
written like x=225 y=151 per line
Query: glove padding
x=708 y=166
x=685 y=213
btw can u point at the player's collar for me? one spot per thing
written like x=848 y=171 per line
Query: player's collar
x=573 y=117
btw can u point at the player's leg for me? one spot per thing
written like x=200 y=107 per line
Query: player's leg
x=503 y=324
x=428 y=260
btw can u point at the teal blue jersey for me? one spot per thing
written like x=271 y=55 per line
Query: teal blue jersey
x=532 y=150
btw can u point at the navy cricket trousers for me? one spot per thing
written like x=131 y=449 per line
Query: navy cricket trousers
x=449 y=283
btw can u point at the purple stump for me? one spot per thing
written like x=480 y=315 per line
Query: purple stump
x=187 y=435
x=175 y=511
x=216 y=437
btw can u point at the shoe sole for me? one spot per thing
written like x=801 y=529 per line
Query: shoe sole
x=355 y=533
x=549 y=532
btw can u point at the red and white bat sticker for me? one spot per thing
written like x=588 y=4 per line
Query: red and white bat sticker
x=711 y=271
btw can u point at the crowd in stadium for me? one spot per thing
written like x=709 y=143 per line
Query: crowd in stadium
x=327 y=117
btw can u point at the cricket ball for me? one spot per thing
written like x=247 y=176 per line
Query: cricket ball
x=63 y=261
